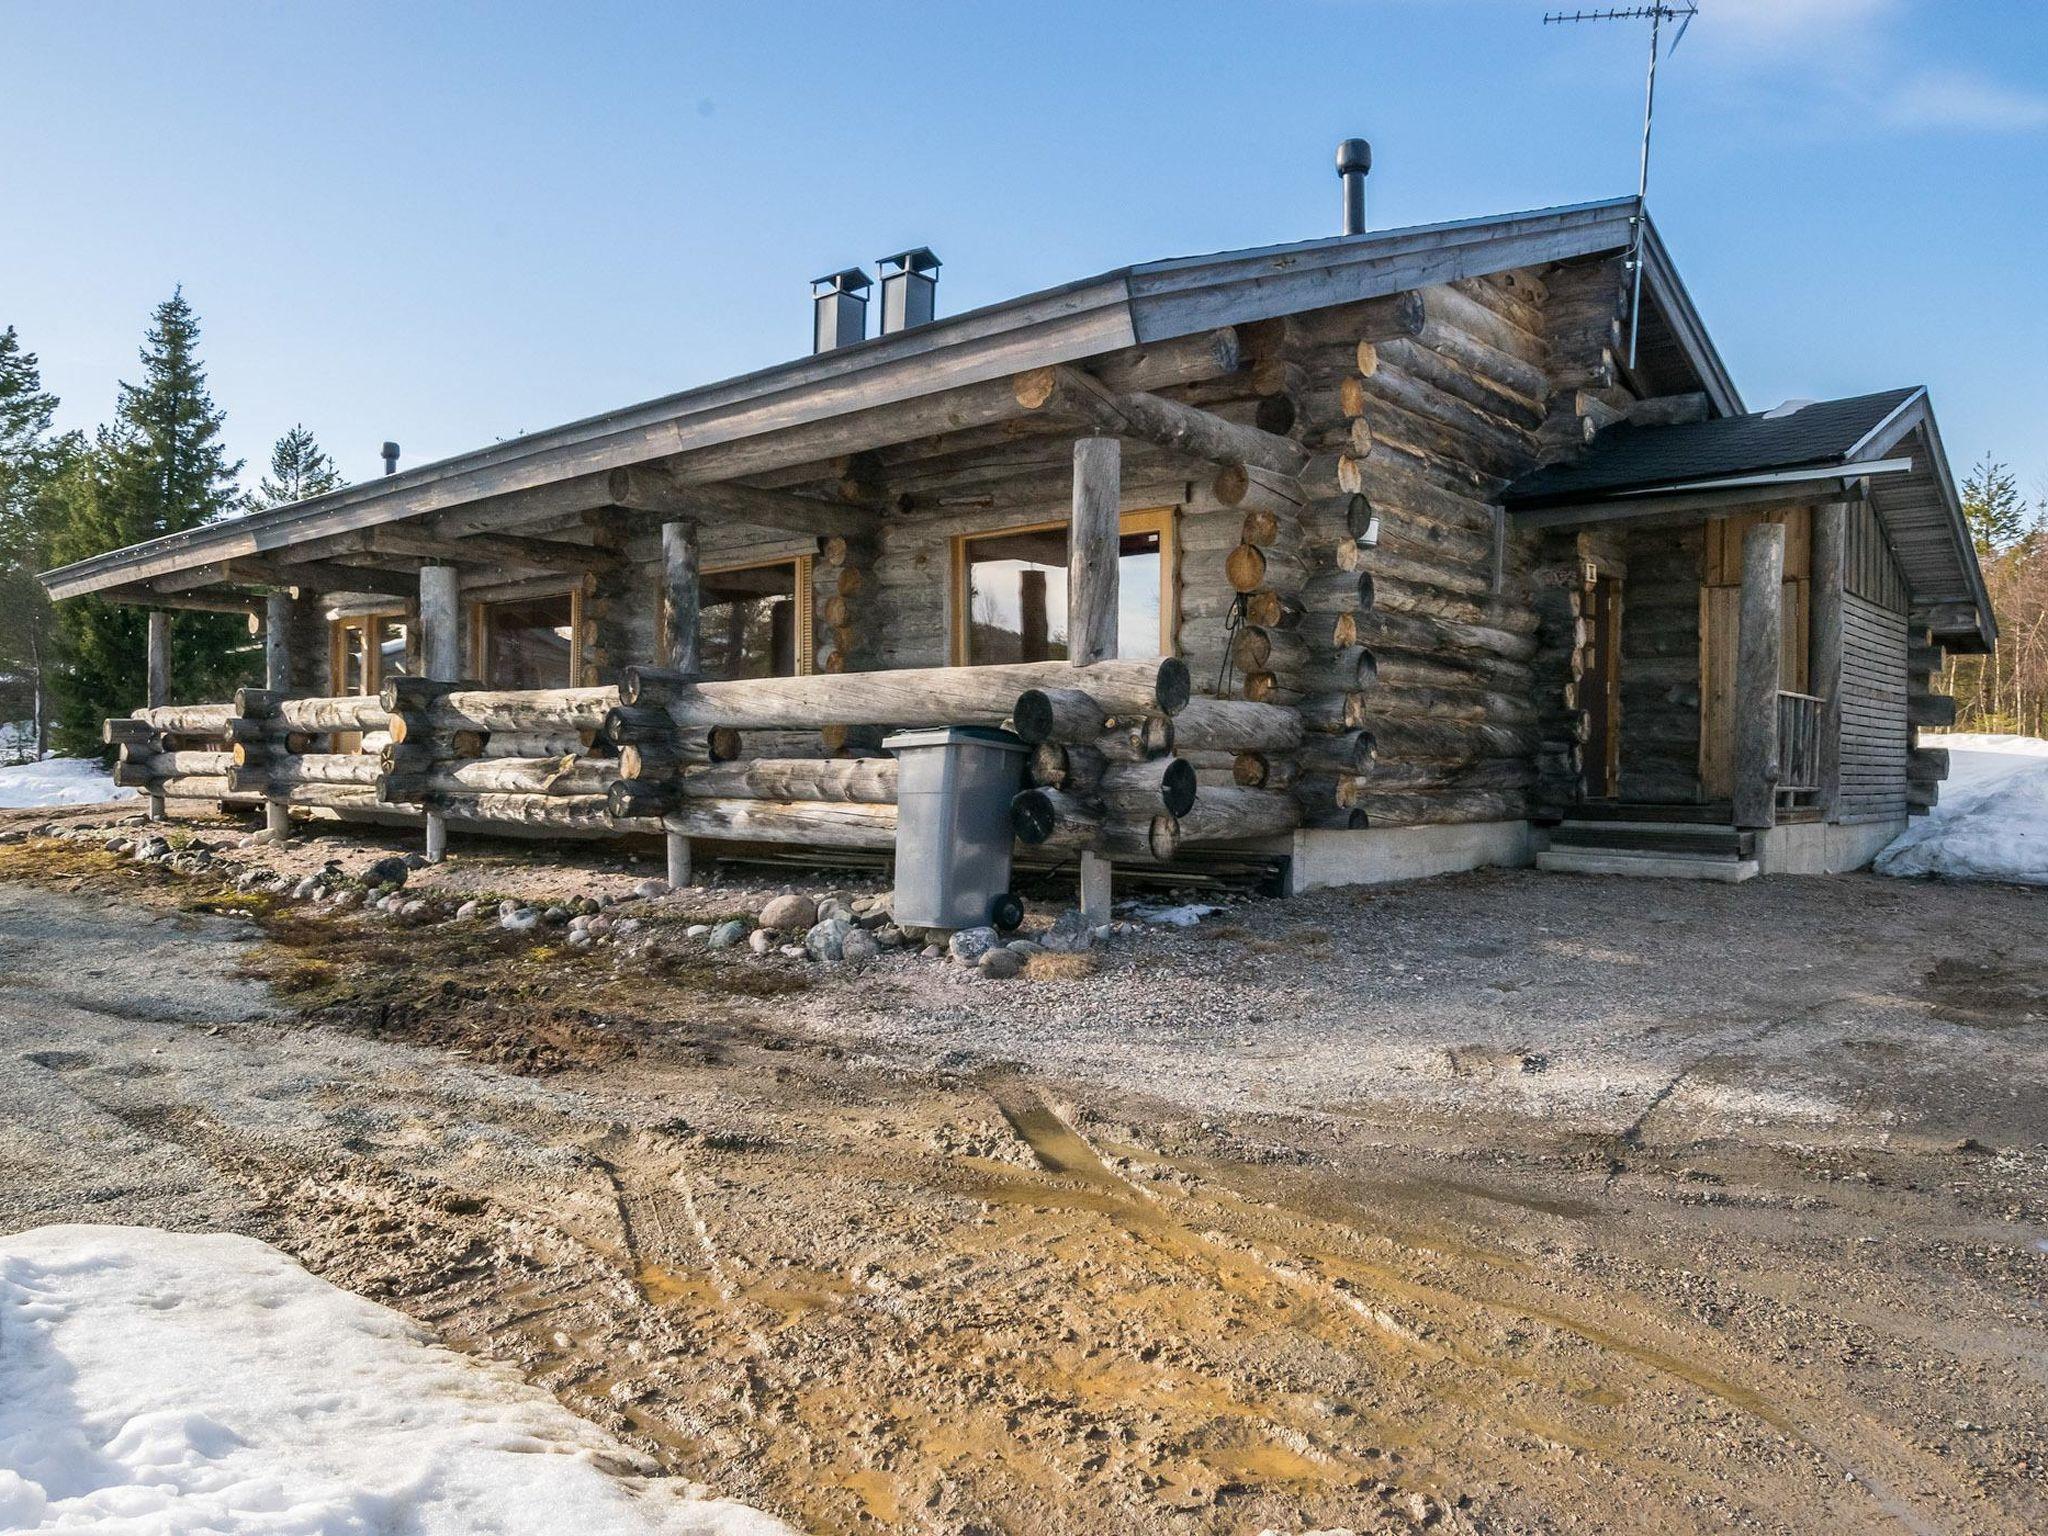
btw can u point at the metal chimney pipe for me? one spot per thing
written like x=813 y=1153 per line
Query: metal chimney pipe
x=391 y=458
x=1354 y=162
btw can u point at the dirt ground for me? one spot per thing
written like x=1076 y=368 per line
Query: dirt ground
x=1502 y=1202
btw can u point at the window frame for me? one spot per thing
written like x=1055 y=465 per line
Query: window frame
x=805 y=643
x=480 y=630
x=373 y=655
x=1159 y=520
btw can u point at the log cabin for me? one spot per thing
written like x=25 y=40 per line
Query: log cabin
x=1350 y=559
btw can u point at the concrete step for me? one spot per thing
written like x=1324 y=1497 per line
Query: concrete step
x=1648 y=864
x=1655 y=837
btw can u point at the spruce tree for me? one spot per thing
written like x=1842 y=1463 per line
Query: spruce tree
x=1993 y=506
x=298 y=469
x=30 y=457
x=161 y=468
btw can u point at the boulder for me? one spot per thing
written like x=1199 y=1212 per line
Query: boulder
x=1069 y=934
x=390 y=870
x=826 y=940
x=520 y=920
x=1001 y=964
x=727 y=933
x=761 y=940
x=858 y=945
x=970 y=944
x=468 y=909
x=790 y=914
x=652 y=890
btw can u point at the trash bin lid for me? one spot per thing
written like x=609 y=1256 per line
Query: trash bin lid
x=952 y=735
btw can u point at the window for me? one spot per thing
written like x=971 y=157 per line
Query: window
x=532 y=642
x=363 y=650
x=1010 y=592
x=750 y=620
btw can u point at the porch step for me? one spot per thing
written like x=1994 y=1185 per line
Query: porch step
x=1664 y=850
x=1648 y=865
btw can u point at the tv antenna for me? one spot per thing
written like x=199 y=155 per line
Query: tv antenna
x=1656 y=16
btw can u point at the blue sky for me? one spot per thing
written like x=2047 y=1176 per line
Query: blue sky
x=451 y=223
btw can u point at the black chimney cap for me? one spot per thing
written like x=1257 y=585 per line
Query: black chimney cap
x=850 y=280
x=919 y=260
x=1354 y=155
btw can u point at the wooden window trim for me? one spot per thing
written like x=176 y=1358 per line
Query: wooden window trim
x=480 y=629
x=1159 y=520
x=805 y=643
x=373 y=656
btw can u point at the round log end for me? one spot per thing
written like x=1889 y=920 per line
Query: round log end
x=1173 y=687
x=1177 y=786
x=1275 y=414
x=722 y=744
x=1155 y=735
x=1032 y=816
x=1245 y=566
x=1368 y=669
x=1357 y=514
x=1368 y=358
x=1031 y=717
x=1163 y=837
x=1249 y=769
x=1365 y=590
x=1231 y=484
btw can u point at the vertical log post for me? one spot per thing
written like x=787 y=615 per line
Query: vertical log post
x=157 y=689
x=681 y=645
x=440 y=661
x=1093 y=540
x=1824 y=643
x=277 y=674
x=1760 y=641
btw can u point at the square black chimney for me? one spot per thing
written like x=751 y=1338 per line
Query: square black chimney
x=909 y=287
x=841 y=301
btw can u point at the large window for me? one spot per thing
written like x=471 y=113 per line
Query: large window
x=1010 y=592
x=750 y=620
x=531 y=642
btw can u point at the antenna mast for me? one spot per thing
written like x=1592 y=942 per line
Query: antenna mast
x=1656 y=15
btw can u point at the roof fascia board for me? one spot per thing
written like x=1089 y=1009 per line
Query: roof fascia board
x=1916 y=414
x=1676 y=305
x=1704 y=500
x=1180 y=297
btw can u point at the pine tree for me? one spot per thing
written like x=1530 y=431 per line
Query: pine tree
x=30 y=457
x=298 y=469
x=1993 y=506
x=161 y=468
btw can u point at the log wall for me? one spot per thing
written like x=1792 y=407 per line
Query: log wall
x=1660 y=667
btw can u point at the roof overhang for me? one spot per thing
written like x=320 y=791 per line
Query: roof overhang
x=841 y=402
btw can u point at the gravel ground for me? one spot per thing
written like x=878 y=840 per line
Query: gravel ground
x=1502 y=1202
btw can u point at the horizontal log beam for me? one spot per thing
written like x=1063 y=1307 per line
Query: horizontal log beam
x=657 y=490
x=1078 y=396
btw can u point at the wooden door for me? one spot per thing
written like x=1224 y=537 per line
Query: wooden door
x=1720 y=623
x=1602 y=683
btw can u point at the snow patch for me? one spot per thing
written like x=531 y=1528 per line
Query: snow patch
x=1992 y=820
x=175 y=1383
x=58 y=781
x=1173 y=917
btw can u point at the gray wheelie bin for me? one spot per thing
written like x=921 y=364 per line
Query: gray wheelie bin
x=953 y=791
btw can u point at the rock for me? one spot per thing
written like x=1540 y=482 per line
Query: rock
x=794 y=951
x=508 y=906
x=1024 y=947
x=580 y=938
x=415 y=861
x=859 y=945
x=306 y=889
x=970 y=944
x=652 y=890
x=412 y=908
x=790 y=914
x=343 y=900
x=625 y=927
x=1069 y=934
x=761 y=940
x=468 y=909
x=520 y=920
x=889 y=936
x=696 y=930
x=579 y=924
x=826 y=940
x=930 y=952
x=387 y=871
x=151 y=848
x=555 y=917
x=589 y=906
x=1000 y=964
x=876 y=917
x=118 y=845
x=727 y=933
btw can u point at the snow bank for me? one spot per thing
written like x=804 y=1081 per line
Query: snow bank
x=1992 y=821
x=170 y=1384
x=58 y=781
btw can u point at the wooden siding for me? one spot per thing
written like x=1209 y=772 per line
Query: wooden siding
x=1875 y=737
x=1868 y=567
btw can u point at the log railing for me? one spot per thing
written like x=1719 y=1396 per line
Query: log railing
x=1799 y=741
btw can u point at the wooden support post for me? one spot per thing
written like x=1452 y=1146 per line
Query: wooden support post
x=277 y=676
x=681 y=645
x=1758 y=665
x=1095 y=887
x=1824 y=643
x=1093 y=548
x=158 y=686
x=441 y=661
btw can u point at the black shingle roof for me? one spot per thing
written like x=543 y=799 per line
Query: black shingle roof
x=1628 y=457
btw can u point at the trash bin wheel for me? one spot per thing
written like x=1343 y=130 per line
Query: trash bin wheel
x=1006 y=912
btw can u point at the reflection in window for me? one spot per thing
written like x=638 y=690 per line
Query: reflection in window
x=747 y=622
x=1017 y=596
x=530 y=643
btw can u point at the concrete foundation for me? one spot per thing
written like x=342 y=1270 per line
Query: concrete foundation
x=1817 y=848
x=1377 y=855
